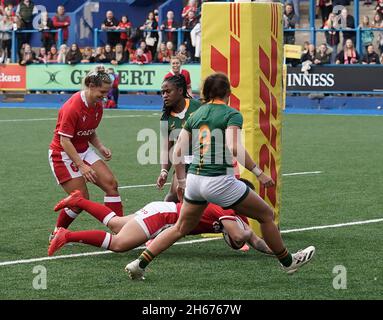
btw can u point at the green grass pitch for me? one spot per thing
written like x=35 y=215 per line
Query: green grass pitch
x=347 y=149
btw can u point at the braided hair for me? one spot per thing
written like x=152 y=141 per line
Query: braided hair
x=97 y=78
x=178 y=81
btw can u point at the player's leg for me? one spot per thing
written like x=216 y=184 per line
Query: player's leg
x=255 y=207
x=70 y=179
x=108 y=183
x=171 y=196
x=188 y=220
x=130 y=236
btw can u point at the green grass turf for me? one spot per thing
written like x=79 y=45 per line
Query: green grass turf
x=347 y=149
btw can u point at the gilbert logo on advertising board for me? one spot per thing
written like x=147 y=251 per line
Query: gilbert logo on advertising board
x=12 y=77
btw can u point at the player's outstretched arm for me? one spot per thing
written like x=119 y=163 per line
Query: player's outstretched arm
x=234 y=143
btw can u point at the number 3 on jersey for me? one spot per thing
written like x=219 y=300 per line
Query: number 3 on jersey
x=204 y=139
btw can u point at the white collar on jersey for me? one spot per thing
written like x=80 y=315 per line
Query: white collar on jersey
x=83 y=98
x=172 y=72
x=181 y=115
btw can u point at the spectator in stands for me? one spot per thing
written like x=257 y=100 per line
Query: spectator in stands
x=191 y=6
x=6 y=25
x=42 y=57
x=74 y=54
x=367 y=35
x=170 y=48
x=61 y=21
x=52 y=55
x=139 y=57
x=381 y=58
x=120 y=55
x=289 y=21
x=188 y=24
x=195 y=36
x=184 y=54
x=378 y=23
x=310 y=55
x=61 y=57
x=151 y=37
x=163 y=55
x=371 y=57
x=27 y=56
x=156 y=15
x=325 y=7
x=114 y=91
x=146 y=51
x=175 y=64
x=296 y=6
x=26 y=11
x=322 y=56
x=126 y=26
x=87 y=55
x=100 y=55
x=347 y=22
x=45 y=25
x=332 y=36
x=379 y=8
x=348 y=55
x=170 y=26
x=109 y=54
x=305 y=47
x=3 y=56
x=111 y=24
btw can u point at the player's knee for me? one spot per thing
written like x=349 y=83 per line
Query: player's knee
x=266 y=215
x=111 y=185
x=171 y=197
x=183 y=228
x=117 y=246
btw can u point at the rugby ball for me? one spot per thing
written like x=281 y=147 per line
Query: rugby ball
x=229 y=241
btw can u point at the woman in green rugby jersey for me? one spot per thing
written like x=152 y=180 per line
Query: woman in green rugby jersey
x=215 y=131
x=178 y=107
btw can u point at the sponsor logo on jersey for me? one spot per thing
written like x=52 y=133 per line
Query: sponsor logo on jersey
x=86 y=132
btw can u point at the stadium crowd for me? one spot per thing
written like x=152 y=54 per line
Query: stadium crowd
x=156 y=41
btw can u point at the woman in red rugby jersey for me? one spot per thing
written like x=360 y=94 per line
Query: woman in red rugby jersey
x=73 y=161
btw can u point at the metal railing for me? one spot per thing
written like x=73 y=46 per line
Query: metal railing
x=16 y=32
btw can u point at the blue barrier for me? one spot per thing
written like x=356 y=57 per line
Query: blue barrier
x=14 y=39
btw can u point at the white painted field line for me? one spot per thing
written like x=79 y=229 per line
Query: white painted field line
x=104 y=117
x=339 y=225
x=95 y=253
x=301 y=173
x=285 y=175
x=140 y=186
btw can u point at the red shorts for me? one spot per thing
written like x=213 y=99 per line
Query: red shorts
x=156 y=217
x=63 y=167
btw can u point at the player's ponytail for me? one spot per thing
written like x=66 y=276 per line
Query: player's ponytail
x=216 y=86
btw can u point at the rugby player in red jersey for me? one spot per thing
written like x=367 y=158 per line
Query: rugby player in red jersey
x=72 y=160
x=176 y=63
x=135 y=229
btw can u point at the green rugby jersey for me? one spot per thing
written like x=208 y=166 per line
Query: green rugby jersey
x=176 y=121
x=208 y=124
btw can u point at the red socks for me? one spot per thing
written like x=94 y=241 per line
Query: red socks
x=65 y=218
x=114 y=203
x=97 y=210
x=97 y=238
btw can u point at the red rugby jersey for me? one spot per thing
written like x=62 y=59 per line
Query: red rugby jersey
x=77 y=121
